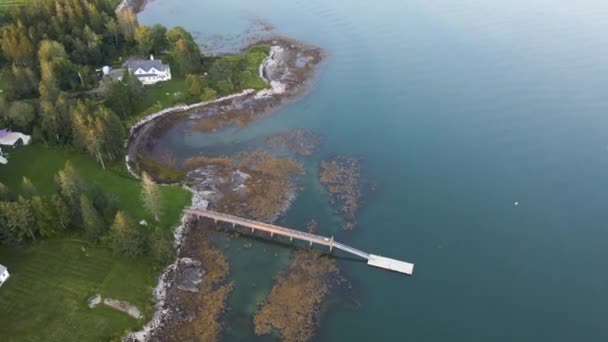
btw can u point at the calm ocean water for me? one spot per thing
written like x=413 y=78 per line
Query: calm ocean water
x=459 y=109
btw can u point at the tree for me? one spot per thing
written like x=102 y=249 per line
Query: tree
x=16 y=43
x=45 y=216
x=184 y=50
x=61 y=210
x=119 y=99
x=208 y=94
x=55 y=120
x=24 y=81
x=187 y=56
x=114 y=29
x=144 y=39
x=159 y=38
x=101 y=133
x=113 y=132
x=5 y=193
x=150 y=195
x=134 y=85
x=127 y=21
x=125 y=237
x=21 y=115
x=92 y=222
x=17 y=218
x=220 y=70
x=194 y=84
x=29 y=189
x=70 y=187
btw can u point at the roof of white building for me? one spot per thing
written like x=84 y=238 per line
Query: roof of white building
x=2 y=269
x=11 y=138
x=147 y=64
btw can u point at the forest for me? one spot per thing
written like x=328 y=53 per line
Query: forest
x=51 y=57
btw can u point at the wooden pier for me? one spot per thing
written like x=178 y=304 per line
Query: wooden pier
x=372 y=260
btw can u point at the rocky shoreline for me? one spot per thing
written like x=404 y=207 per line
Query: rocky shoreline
x=289 y=70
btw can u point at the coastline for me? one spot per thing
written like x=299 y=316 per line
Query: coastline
x=287 y=83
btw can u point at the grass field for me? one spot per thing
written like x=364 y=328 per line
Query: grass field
x=45 y=297
x=40 y=164
x=6 y=4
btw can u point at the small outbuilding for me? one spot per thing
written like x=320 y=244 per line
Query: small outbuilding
x=3 y=274
x=13 y=139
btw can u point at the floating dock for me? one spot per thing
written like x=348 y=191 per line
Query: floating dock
x=390 y=264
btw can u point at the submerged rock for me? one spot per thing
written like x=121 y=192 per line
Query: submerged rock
x=293 y=306
x=301 y=141
x=341 y=177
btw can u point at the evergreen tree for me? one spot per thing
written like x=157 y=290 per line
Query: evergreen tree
x=185 y=52
x=21 y=115
x=144 y=39
x=45 y=216
x=194 y=84
x=91 y=221
x=61 y=210
x=70 y=187
x=126 y=237
x=17 y=220
x=29 y=190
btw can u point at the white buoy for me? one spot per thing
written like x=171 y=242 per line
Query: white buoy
x=516 y=203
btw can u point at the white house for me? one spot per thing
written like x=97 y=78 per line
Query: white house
x=8 y=138
x=149 y=71
x=3 y=274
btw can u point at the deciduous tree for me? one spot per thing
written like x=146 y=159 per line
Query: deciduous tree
x=150 y=195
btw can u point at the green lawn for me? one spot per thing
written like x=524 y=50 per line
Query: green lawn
x=45 y=298
x=175 y=91
x=40 y=164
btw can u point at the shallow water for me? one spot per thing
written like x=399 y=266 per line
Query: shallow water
x=459 y=109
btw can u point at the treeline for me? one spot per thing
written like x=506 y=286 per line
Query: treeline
x=50 y=51
x=85 y=209
x=88 y=30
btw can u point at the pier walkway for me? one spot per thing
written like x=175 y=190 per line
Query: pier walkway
x=372 y=260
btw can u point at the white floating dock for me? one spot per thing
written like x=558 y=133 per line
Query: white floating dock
x=391 y=264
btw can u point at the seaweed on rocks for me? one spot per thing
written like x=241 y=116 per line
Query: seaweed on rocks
x=301 y=141
x=269 y=186
x=293 y=306
x=197 y=309
x=341 y=176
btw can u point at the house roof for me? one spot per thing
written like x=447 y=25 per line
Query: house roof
x=10 y=138
x=147 y=64
x=146 y=75
x=2 y=269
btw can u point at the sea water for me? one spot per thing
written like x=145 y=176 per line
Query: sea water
x=459 y=109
